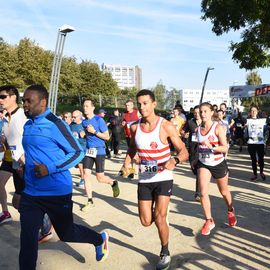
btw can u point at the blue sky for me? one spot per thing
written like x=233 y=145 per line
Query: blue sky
x=166 y=38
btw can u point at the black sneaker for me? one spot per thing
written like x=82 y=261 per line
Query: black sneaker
x=164 y=262
x=197 y=197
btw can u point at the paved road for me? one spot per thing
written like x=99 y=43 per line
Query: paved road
x=247 y=246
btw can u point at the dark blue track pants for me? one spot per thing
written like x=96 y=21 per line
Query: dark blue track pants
x=59 y=209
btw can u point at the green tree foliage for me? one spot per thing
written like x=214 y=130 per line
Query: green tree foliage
x=129 y=93
x=171 y=97
x=8 y=62
x=27 y=63
x=33 y=63
x=70 y=82
x=250 y=16
x=160 y=91
x=253 y=78
x=94 y=82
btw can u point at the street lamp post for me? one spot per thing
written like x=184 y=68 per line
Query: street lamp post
x=205 y=79
x=57 y=60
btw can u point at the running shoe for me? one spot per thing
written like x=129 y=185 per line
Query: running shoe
x=164 y=262
x=80 y=184
x=115 y=189
x=253 y=178
x=263 y=176
x=127 y=173
x=197 y=197
x=131 y=173
x=42 y=238
x=5 y=217
x=208 y=226
x=88 y=205
x=102 y=251
x=232 y=218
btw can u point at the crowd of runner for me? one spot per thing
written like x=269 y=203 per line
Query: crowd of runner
x=38 y=149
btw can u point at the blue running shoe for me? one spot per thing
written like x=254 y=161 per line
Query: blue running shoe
x=102 y=251
x=80 y=184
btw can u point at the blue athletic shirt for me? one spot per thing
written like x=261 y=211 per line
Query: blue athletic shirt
x=92 y=140
x=48 y=140
x=76 y=129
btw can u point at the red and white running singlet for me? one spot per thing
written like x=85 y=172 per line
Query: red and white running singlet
x=153 y=155
x=207 y=156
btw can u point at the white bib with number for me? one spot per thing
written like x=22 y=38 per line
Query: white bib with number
x=194 y=137
x=148 y=167
x=91 y=152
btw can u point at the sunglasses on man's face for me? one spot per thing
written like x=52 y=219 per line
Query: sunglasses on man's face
x=3 y=96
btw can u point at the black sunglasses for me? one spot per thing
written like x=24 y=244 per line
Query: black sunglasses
x=3 y=96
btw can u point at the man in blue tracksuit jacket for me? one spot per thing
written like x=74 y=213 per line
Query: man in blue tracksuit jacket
x=50 y=150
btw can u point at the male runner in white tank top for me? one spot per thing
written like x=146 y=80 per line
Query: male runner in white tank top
x=149 y=140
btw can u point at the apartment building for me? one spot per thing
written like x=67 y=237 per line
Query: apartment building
x=125 y=76
x=191 y=97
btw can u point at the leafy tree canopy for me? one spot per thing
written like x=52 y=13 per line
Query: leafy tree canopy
x=250 y=16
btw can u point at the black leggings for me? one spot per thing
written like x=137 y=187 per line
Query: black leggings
x=258 y=149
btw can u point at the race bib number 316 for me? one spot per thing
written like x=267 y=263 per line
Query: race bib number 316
x=149 y=167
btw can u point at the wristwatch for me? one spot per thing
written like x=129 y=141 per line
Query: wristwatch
x=177 y=161
x=96 y=132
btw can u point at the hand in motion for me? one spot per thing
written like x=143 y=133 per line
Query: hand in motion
x=41 y=170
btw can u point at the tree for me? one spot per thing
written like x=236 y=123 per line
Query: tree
x=253 y=78
x=252 y=17
x=34 y=64
x=171 y=97
x=160 y=91
x=8 y=61
x=70 y=82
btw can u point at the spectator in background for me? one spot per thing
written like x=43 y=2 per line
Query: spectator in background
x=116 y=128
x=130 y=116
x=238 y=130
x=190 y=115
x=67 y=117
x=180 y=109
x=178 y=121
x=215 y=107
x=102 y=114
x=191 y=133
x=255 y=129
x=79 y=133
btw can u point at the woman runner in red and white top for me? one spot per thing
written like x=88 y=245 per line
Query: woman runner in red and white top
x=212 y=148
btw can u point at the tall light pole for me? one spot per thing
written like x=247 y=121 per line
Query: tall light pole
x=57 y=60
x=205 y=79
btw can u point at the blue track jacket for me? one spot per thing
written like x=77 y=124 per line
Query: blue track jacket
x=48 y=140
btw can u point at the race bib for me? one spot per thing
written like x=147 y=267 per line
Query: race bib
x=148 y=167
x=91 y=152
x=239 y=125
x=204 y=155
x=194 y=137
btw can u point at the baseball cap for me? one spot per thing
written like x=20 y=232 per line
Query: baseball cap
x=101 y=111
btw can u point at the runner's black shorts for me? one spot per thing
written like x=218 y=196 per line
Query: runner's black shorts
x=99 y=161
x=217 y=171
x=17 y=180
x=149 y=191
